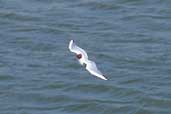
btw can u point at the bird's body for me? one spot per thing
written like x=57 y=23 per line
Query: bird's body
x=84 y=61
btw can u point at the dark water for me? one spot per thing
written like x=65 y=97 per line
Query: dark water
x=129 y=39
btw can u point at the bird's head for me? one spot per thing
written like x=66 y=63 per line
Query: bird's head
x=79 y=56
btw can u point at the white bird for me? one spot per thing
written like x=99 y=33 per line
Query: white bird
x=83 y=60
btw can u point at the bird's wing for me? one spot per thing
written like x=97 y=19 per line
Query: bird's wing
x=75 y=49
x=92 y=68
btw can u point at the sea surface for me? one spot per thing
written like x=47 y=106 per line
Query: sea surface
x=130 y=40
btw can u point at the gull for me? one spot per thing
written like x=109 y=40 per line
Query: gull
x=84 y=61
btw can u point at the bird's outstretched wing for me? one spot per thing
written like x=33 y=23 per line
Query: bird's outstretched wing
x=75 y=49
x=92 y=68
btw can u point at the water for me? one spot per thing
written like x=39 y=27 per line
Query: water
x=129 y=39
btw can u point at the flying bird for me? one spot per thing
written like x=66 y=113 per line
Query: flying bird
x=84 y=61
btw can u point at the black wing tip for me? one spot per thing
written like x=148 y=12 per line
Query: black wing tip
x=105 y=78
x=72 y=41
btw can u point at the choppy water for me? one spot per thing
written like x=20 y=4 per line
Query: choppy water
x=129 y=39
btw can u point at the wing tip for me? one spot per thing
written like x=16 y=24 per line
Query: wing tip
x=71 y=40
x=70 y=44
x=104 y=78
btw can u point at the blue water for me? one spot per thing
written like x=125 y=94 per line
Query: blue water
x=130 y=40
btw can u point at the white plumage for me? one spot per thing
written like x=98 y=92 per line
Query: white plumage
x=83 y=60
